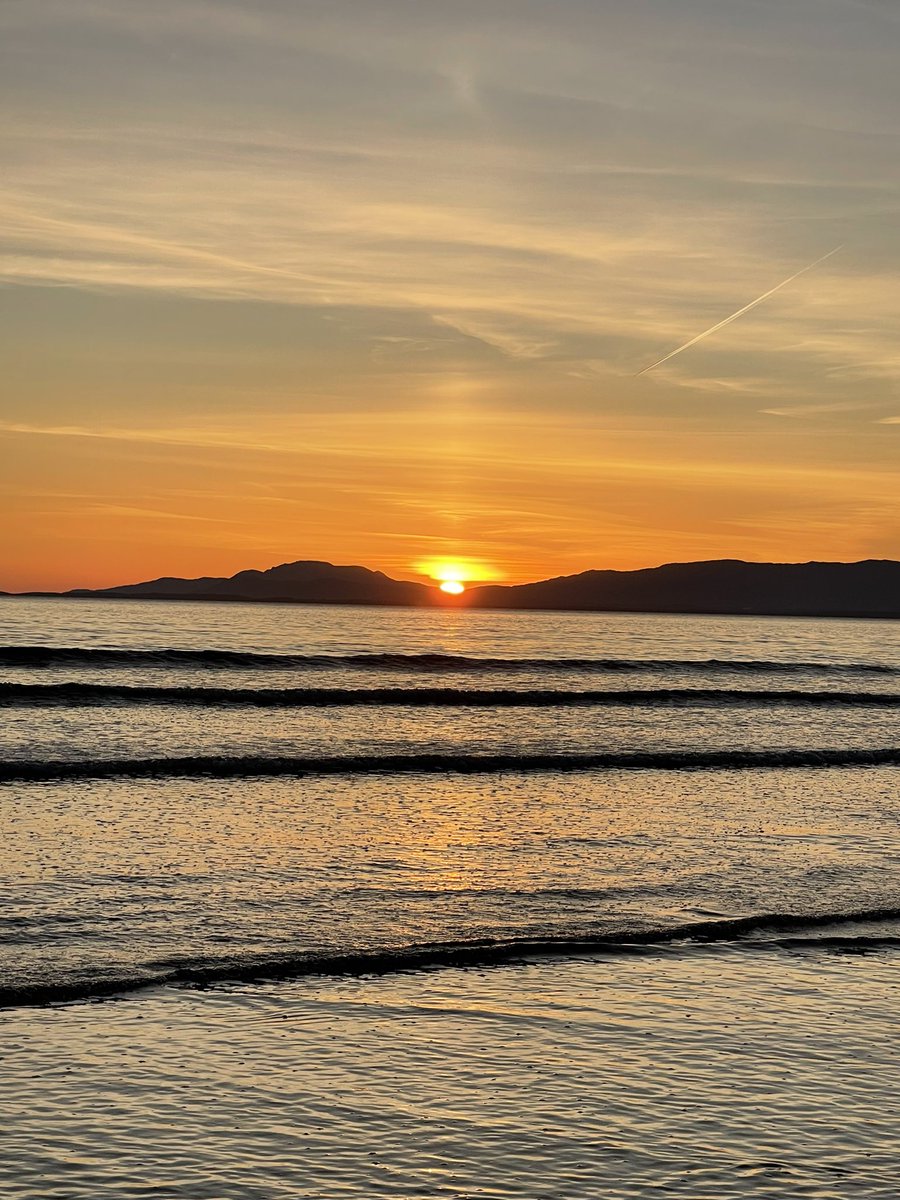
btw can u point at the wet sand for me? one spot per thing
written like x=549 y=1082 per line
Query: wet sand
x=710 y=1072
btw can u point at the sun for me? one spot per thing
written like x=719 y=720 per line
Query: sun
x=454 y=575
x=450 y=577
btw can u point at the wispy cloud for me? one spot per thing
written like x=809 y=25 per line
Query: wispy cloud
x=814 y=410
x=557 y=209
x=443 y=242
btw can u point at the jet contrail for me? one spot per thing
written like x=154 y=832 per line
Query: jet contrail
x=740 y=312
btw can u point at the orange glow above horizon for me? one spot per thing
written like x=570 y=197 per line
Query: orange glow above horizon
x=97 y=506
x=457 y=571
x=397 y=311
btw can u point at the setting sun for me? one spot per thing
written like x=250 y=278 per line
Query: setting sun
x=453 y=575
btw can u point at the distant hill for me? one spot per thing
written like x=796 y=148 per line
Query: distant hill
x=863 y=589
x=297 y=582
x=870 y=588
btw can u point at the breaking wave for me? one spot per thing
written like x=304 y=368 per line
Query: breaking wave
x=99 y=656
x=427 y=697
x=237 y=767
x=766 y=931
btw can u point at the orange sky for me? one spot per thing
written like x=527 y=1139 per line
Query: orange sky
x=527 y=496
x=281 y=282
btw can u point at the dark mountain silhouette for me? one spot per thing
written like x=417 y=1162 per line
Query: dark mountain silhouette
x=870 y=589
x=297 y=582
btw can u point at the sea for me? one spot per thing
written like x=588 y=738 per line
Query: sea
x=306 y=901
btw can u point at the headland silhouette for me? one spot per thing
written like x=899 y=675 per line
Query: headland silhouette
x=870 y=588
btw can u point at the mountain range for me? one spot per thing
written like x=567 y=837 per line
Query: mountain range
x=863 y=589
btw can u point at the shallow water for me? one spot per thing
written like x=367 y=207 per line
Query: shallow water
x=124 y=879
x=708 y=1074
x=80 y=733
x=199 y=866
x=698 y=862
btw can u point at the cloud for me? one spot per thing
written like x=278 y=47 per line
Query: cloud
x=416 y=252
x=525 y=184
x=814 y=410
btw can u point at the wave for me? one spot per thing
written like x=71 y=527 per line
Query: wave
x=245 y=767
x=764 y=931
x=425 y=697
x=101 y=656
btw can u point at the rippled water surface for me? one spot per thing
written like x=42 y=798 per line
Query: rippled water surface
x=686 y=827
x=705 y=1074
x=311 y=629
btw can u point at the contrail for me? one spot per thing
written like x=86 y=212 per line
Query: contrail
x=740 y=312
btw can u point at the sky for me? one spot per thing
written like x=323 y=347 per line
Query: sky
x=378 y=281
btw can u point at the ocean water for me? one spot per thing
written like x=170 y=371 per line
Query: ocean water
x=503 y=876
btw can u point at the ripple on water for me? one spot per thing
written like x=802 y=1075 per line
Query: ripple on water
x=699 y=1075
